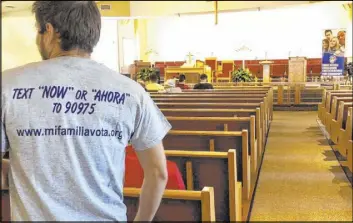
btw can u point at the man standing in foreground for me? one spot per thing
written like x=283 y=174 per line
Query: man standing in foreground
x=67 y=120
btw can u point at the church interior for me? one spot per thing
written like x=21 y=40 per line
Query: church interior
x=271 y=140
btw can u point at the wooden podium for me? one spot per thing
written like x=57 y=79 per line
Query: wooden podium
x=266 y=71
x=136 y=67
x=297 y=69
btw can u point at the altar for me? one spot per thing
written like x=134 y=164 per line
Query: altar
x=191 y=69
x=192 y=74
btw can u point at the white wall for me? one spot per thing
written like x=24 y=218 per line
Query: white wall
x=107 y=49
x=296 y=29
x=18 y=40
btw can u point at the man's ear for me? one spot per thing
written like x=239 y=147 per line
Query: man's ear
x=51 y=32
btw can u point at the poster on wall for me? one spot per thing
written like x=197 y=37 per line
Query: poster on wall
x=333 y=47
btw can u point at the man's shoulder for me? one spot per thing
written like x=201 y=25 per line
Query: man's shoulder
x=20 y=70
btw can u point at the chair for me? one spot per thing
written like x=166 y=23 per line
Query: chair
x=227 y=69
x=212 y=63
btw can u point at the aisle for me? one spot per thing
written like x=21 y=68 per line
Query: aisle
x=300 y=179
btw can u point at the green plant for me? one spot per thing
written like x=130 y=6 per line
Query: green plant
x=241 y=75
x=145 y=73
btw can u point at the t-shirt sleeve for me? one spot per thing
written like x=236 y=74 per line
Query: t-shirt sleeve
x=4 y=140
x=151 y=126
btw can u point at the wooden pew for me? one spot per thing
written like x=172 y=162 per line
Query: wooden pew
x=263 y=109
x=331 y=116
x=322 y=106
x=219 y=141
x=217 y=98
x=350 y=155
x=341 y=120
x=212 y=169
x=259 y=120
x=209 y=100
x=223 y=124
x=176 y=205
x=328 y=103
x=344 y=132
x=232 y=94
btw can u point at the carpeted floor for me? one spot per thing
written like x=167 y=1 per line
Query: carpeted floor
x=300 y=179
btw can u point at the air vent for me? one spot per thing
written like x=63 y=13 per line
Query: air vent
x=105 y=7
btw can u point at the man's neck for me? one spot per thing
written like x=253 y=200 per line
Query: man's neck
x=71 y=53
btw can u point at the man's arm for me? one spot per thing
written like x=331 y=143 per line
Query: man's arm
x=153 y=162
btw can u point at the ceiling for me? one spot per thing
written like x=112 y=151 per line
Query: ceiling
x=25 y=6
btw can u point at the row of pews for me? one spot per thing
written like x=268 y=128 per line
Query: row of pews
x=335 y=114
x=217 y=141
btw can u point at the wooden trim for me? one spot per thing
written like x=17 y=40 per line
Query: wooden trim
x=263 y=123
x=225 y=127
x=180 y=118
x=215 y=104
x=207 y=99
x=245 y=164
x=207 y=204
x=232 y=175
x=350 y=155
x=280 y=95
x=210 y=58
x=189 y=176
x=212 y=145
x=258 y=133
x=199 y=154
x=170 y=194
x=204 y=133
x=252 y=145
x=239 y=202
x=207 y=110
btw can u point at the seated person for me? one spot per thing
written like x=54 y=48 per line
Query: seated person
x=134 y=172
x=181 y=83
x=169 y=87
x=153 y=85
x=203 y=83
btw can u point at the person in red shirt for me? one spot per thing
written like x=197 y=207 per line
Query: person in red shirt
x=181 y=83
x=134 y=172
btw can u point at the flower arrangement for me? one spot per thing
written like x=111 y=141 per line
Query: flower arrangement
x=241 y=75
x=145 y=73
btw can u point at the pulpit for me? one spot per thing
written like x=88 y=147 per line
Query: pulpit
x=297 y=69
x=266 y=70
x=136 y=67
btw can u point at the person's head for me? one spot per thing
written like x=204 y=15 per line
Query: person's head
x=325 y=44
x=341 y=35
x=334 y=44
x=69 y=28
x=203 y=78
x=182 y=78
x=328 y=34
x=170 y=83
x=153 y=78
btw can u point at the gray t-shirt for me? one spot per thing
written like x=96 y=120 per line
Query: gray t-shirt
x=66 y=123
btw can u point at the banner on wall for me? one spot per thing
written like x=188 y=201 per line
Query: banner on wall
x=333 y=47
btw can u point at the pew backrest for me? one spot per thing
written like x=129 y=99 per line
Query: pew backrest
x=176 y=205
x=197 y=167
x=343 y=113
